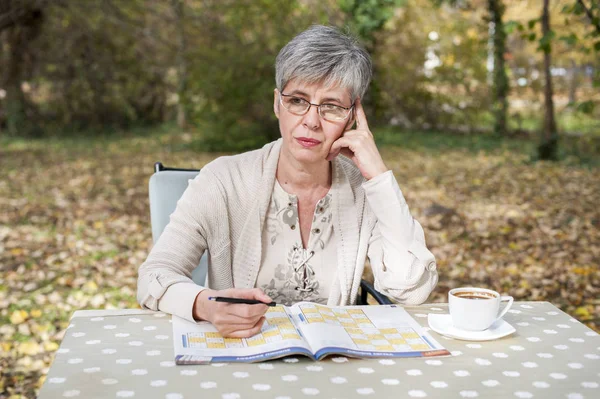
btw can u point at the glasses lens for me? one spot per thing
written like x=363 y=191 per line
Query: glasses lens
x=295 y=104
x=333 y=112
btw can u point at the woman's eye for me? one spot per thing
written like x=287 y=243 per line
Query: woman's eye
x=297 y=101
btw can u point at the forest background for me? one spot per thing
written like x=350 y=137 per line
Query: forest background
x=487 y=111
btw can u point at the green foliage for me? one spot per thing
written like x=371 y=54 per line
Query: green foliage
x=545 y=43
x=96 y=67
x=587 y=107
x=234 y=70
x=510 y=26
x=90 y=72
x=569 y=40
x=588 y=15
x=532 y=22
x=367 y=17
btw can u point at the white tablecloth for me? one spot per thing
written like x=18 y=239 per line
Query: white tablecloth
x=123 y=354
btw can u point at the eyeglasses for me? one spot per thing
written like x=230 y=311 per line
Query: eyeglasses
x=329 y=112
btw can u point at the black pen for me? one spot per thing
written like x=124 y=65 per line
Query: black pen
x=239 y=300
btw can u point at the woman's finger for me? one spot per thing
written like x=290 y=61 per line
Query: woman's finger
x=247 y=332
x=337 y=146
x=247 y=311
x=361 y=118
x=239 y=323
x=241 y=314
x=347 y=152
x=246 y=293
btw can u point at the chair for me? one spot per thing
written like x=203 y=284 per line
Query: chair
x=166 y=187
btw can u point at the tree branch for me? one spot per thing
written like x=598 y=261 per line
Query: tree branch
x=588 y=12
x=13 y=16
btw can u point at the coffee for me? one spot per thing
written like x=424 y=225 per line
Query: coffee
x=476 y=309
x=474 y=295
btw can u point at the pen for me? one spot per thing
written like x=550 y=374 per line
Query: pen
x=240 y=300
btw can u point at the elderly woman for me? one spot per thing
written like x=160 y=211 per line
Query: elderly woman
x=295 y=220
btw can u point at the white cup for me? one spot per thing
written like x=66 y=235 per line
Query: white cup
x=476 y=309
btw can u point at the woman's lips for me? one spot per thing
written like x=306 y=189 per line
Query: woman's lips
x=306 y=142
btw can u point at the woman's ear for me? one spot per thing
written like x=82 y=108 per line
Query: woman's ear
x=276 y=102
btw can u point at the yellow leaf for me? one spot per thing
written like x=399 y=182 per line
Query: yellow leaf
x=41 y=381
x=524 y=284
x=90 y=286
x=6 y=346
x=514 y=246
x=512 y=270
x=29 y=348
x=582 y=271
x=50 y=346
x=16 y=251
x=529 y=260
x=18 y=316
x=583 y=312
x=98 y=225
x=36 y=313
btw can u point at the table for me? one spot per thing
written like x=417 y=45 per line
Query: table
x=129 y=353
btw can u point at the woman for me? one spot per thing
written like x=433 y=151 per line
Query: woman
x=294 y=220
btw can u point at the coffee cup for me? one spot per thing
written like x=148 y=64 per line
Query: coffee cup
x=476 y=309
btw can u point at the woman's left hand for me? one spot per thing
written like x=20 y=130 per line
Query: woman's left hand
x=359 y=146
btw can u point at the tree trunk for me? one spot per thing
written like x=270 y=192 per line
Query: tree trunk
x=179 y=9
x=573 y=71
x=548 y=148
x=15 y=98
x=500 y=86
x=17 y=71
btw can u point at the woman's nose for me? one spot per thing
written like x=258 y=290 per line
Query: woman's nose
x=312 y=120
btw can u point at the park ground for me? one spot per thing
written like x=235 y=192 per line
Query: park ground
x=75 y=226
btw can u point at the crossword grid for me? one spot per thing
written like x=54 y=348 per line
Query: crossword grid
x=339 y=317
x=362 y=331
x=277 y=327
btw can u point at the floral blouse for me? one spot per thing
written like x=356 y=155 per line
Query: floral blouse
x=289 y=272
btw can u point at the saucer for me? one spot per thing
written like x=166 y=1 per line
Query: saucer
x=442 y=324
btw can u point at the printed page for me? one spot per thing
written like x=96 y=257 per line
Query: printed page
x=364 y=331
x=200 y=343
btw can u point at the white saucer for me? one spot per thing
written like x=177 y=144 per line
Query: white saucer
x=442 y=324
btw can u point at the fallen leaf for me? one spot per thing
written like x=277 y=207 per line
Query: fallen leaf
x=18 y=316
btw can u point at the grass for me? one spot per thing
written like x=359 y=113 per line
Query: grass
x=568 y=122
x=434 y=141
x=162 y=138
x=573 y=150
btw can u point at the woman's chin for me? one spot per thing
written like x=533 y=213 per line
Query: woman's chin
x=310 y=157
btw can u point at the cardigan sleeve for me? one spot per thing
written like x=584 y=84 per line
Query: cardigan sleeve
x=164 y=279
x=403 y=267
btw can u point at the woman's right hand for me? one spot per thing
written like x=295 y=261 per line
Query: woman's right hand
x=232 y=319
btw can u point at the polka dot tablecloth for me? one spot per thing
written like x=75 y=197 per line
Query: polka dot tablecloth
x=129 y=354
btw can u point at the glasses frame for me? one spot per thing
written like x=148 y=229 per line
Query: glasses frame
x=349 y=109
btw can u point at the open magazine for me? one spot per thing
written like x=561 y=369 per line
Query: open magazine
x=312 y=330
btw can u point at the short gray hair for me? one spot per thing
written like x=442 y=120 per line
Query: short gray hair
x=323 y=54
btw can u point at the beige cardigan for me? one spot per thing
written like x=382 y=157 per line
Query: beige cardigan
x=223 y=209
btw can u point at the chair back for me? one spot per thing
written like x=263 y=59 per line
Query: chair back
x=166 y=186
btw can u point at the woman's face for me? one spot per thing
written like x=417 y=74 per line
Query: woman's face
x=308 y=138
